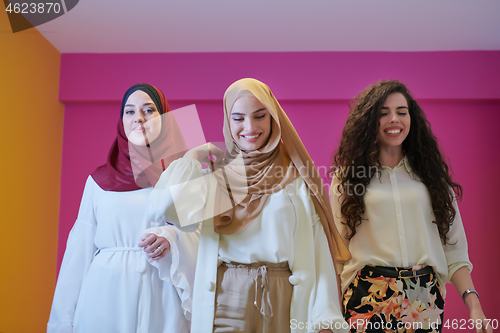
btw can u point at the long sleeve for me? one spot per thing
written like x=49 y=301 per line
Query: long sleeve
x=178 y=266
x=455 y=251
x=326 y=309
x=315 y=289
x=79 y=253
x=335 y=201
x=179 y=195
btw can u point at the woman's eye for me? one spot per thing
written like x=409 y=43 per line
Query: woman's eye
x=238 y=119
x=129 y=112
x=383 y=114
x=260 y=117
x=149 y=111
x=402 y=113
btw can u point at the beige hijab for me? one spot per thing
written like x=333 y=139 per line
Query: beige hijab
x=248 y=178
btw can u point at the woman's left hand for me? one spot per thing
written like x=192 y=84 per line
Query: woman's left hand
x=463 y=281
x=155 y=247
x=478 y=317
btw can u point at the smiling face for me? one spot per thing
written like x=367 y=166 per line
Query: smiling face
x=394 y=123
x=250 y=123
x=140 y=119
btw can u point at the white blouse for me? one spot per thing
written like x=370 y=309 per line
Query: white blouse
x=272 y=230
x=287 y=229
x=397 y=228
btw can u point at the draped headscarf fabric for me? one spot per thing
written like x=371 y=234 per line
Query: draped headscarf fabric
x=268 y=170
x=130 y=167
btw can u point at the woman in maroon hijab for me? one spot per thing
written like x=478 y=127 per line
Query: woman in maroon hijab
x=120 y=272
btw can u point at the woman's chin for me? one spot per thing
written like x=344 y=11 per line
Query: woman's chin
x=138 y=139
x=250 y=146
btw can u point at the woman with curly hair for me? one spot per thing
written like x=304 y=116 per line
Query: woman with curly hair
x=394 y=203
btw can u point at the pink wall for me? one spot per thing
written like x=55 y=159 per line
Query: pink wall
x=458 y=90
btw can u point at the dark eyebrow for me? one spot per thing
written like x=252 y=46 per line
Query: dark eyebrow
x=145 y=104
x=399 y=107
x=241 y=114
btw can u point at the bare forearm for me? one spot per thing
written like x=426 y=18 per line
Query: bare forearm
x=462 y=281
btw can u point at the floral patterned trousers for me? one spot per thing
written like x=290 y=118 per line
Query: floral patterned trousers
x=375 y=303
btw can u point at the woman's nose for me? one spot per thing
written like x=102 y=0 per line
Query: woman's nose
x=249 y=125
x=394 y=117
x=139 y=117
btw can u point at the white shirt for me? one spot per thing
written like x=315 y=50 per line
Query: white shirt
x=397 y=228
x=287 y=229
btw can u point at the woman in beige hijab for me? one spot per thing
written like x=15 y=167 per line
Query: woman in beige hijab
x=268 y=244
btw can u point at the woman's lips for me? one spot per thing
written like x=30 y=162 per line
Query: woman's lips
x=393 y=131
x=251 y=137
x=139 y=129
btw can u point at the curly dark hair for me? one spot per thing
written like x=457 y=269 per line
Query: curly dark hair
x=359 y=148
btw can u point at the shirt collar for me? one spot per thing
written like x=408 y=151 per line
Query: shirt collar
x=407 y=164
x=404 y=161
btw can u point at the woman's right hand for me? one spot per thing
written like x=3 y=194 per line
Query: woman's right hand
x=203 y=153
x=155 y=247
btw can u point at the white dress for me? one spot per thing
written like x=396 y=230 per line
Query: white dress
x=106 y=282
x=287 y=229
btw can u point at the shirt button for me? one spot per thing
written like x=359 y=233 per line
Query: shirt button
x=293 y=280
x=210 y=286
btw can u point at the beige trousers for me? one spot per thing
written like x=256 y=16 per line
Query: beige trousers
x=253 y=298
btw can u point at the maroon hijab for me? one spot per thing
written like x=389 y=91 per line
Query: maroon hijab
x=130 y=167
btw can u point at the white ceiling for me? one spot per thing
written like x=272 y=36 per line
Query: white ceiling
x=136 y=26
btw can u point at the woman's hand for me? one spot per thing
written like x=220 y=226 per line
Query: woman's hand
x=204 y=153
x=463 y=281
x=479 y=319
x=155 y=247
